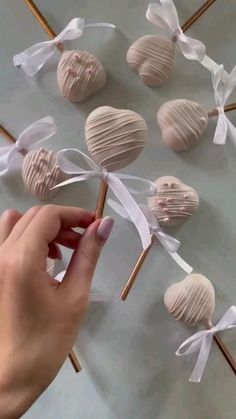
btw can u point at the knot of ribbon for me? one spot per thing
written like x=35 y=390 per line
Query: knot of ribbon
x=114 y=181
x=164 y=15
x=223 y=88
x=34 y=58
x=202 y=341
x=170 y=243
x=37 y=132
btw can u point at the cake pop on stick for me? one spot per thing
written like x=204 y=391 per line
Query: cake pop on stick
x=65 y=160
x=115 y=138
x=79 y=74
x=182 y=121
x=172 y=205
x=153 y=57
x=192 y=301
x=38 y=166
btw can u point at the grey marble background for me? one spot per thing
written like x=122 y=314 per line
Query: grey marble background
x=127 y=349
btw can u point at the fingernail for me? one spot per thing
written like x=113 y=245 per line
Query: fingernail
x=105 y=228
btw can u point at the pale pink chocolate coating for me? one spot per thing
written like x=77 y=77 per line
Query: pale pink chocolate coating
x=40 y=173
x=191 y=300
x=115 y=137
x=80 y=75
x=182 y=123
x=174 y=202
x=153 y=59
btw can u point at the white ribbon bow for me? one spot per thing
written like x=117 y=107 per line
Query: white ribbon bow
x=202 y=341
x=94 y=297
x=34 y=58
x=164 y=15
x=35 y=133
x=113 y=180
x=222 y=90
x=170 y=243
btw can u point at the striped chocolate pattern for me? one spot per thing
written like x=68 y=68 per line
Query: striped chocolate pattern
x=153 y=59
x=115 y=137
x=182 y=123
x=192 y=300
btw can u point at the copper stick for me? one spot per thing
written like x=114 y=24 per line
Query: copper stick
x=6 y=134
x=73 y=358
x=101 y=199
x=134 y=273
x=223 y=348
x=74 y=361
x=197 y=14
x=227 y=108
x=43 y=22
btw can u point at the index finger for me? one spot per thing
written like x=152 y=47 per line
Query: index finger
x=51 y=219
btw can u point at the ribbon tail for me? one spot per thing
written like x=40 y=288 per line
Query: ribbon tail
x=181 y=262
x=221 y=130
x=231 y=131
x=37 y=132
x=34 y=58
x=192 y=49
x=203 y=356
x=100 y=25
x=131 y=207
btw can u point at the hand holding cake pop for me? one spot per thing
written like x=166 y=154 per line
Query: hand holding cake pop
x=114 y=137
x=193 y=301
x=153 y=57
x=79 y=73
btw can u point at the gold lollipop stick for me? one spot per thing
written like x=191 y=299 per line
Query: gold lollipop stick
x=197 y=15
x=227 y=108
x=6 y=134
x=73 y=358
x=101 y=199
x=74 y=361
x=223 y=348
x=125 y=292
x=43 y=22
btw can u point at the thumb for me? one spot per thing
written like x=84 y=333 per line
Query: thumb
x=80 y=271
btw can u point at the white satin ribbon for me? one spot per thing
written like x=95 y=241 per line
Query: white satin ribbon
x=122 y=193
x=170 y=243
x=94 y=297
x=34 y=58
x=35 y=133
x=164 y=14
x=222 y=90
x=202 y=341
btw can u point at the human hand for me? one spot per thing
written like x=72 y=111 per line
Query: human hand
x=40 y=318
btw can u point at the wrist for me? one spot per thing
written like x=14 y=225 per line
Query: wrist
x=18 y=390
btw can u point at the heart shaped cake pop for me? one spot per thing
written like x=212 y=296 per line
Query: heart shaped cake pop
x=191 y=300
x=153 y=59
x=174 y=202
x=79 y=75
x=115 y=137
x=182 y=123
x=40 y=173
